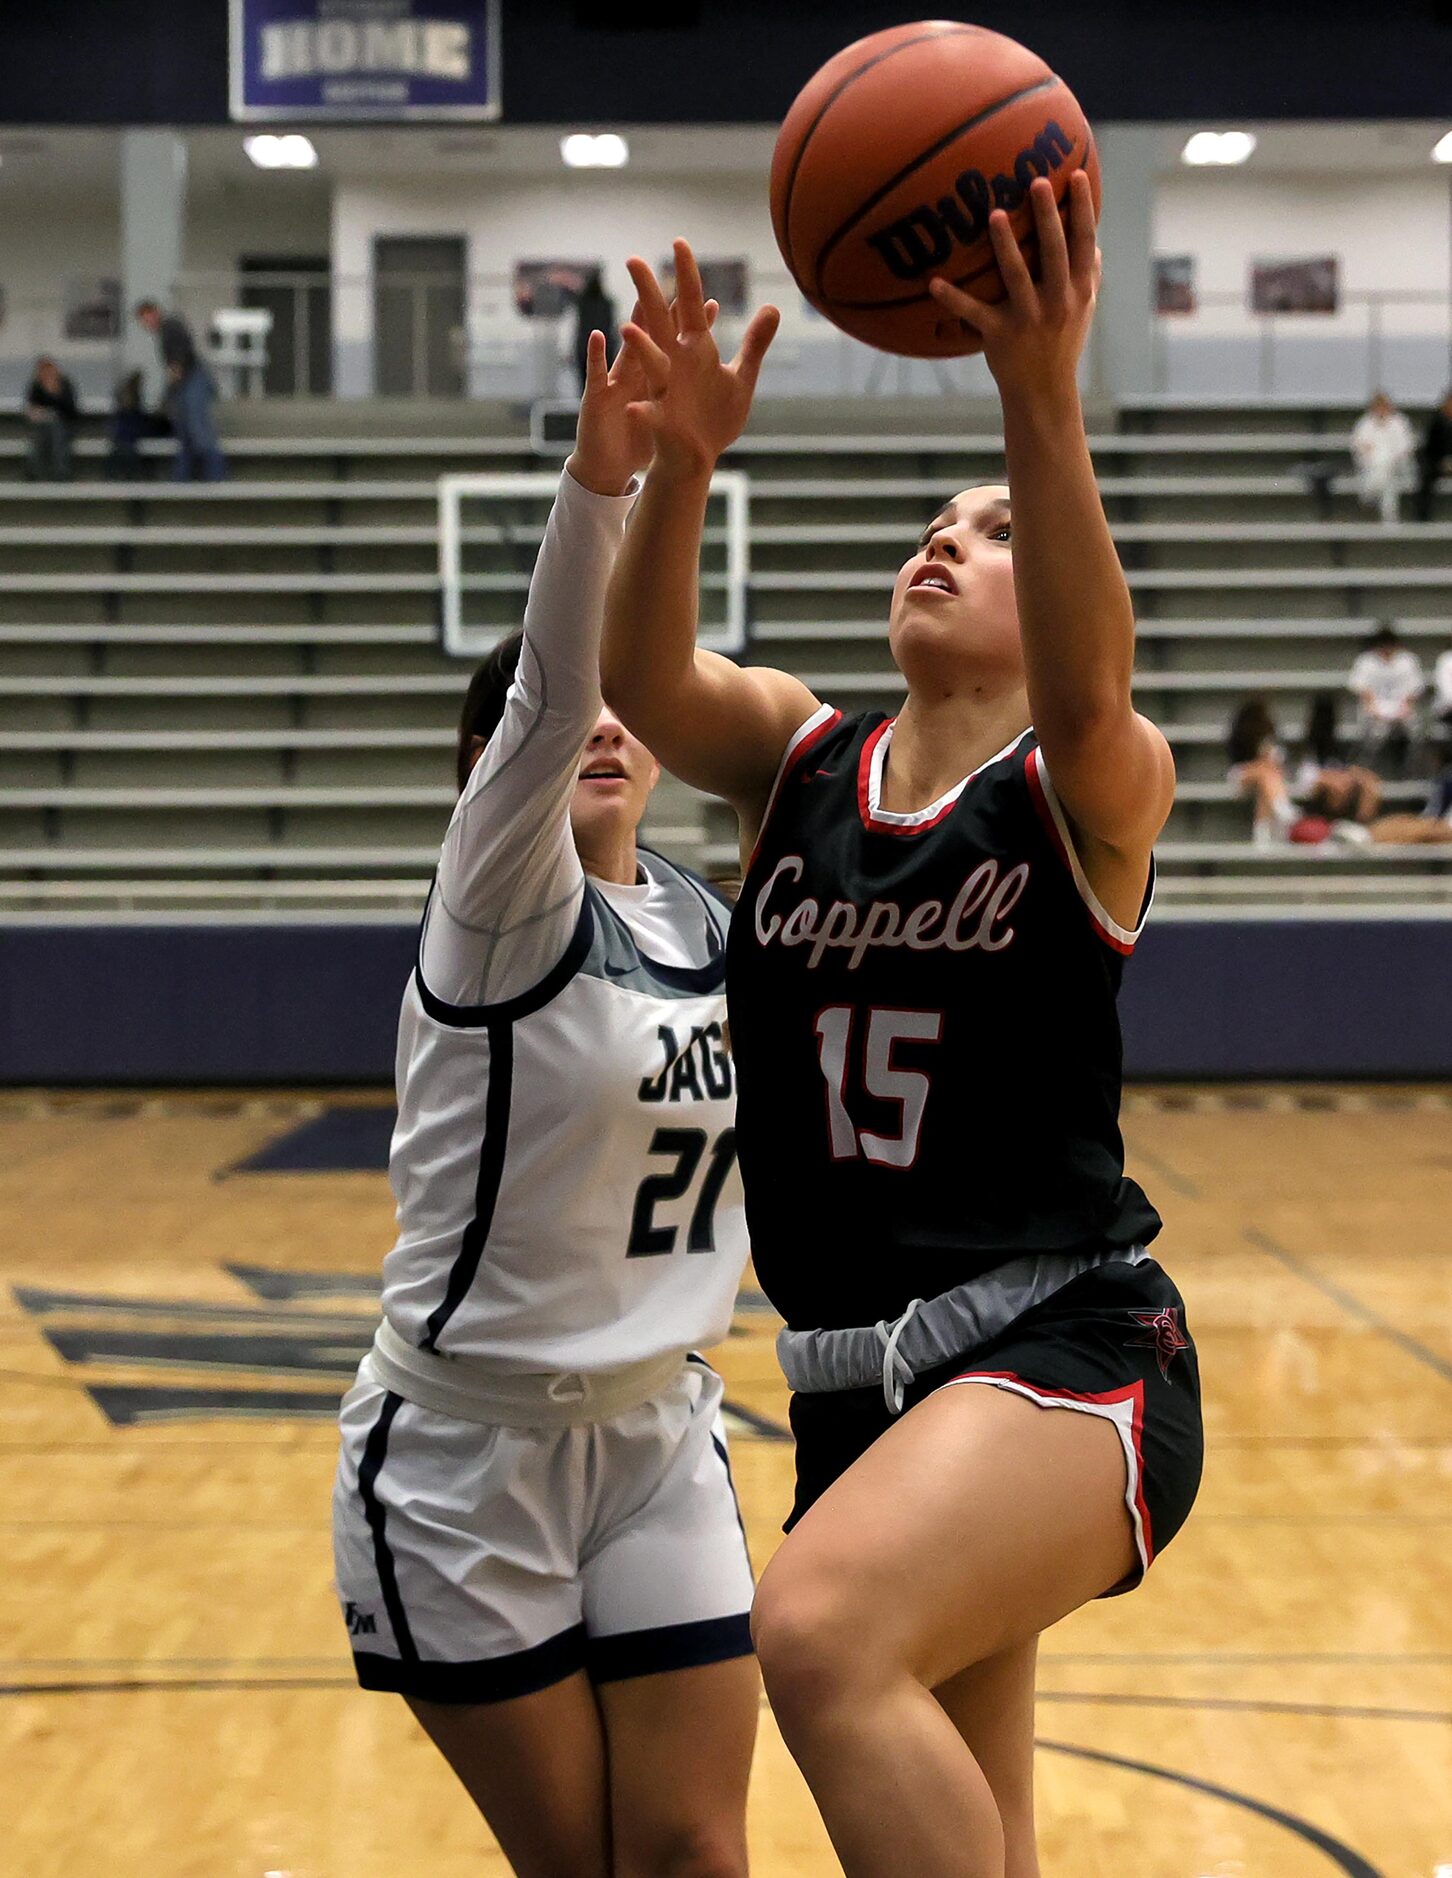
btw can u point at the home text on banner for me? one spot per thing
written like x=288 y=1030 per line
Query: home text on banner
x=364 y=59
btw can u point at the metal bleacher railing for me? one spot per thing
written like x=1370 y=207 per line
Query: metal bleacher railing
x=232 y=698
x=438 y=335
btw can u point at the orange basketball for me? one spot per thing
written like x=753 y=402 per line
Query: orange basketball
x=891 y=161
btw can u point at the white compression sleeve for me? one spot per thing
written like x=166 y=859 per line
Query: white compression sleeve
x=509 y=881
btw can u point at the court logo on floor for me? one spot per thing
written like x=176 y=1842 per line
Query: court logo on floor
x=292 y=1347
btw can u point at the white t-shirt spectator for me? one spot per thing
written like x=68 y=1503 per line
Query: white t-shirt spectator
x=1388 y=687
x=1383 y=445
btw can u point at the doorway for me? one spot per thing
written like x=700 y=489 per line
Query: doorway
x=298 y=292
x=418 y=316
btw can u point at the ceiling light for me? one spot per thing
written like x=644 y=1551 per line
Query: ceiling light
x=584 y=152
x=292 y=151
x=1218 y=146
x=1442 y=150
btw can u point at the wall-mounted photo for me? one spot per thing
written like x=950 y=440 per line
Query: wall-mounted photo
x=1174 y=283
x=544 y=289
x=92 y=308
x=1302 y=286
x=724 y=281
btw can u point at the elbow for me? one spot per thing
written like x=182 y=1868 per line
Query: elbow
x=1087 y=720
x=625 y=699
x=614 y=666
x=615 y=681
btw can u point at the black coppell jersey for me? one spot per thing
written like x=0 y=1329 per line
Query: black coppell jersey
x=926 y=1039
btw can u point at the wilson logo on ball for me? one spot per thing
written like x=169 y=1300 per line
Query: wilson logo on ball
x=926 y=236
x=890 y=162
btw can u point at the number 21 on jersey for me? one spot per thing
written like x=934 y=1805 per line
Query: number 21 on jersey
x=882 y=1077
x=683 y=1147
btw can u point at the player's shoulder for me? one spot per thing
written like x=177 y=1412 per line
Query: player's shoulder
x=828 y=732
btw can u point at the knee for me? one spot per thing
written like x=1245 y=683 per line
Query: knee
x=814 y=1650
x=683 y=1849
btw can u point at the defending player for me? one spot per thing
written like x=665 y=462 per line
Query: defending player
x=537 y=1542
x=923 y=971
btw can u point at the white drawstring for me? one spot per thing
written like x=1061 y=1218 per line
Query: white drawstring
x=896 y=1371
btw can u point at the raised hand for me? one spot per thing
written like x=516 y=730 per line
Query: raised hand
x=613 y=440
x=1032 y=339
x=696 y=406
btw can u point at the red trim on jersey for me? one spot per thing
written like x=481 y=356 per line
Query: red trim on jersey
x=1109 y=1398
x=875 y=825
x=792 y=758
x=1046 y=816
x=864 y=793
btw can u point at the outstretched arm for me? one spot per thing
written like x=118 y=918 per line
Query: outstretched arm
x=509 y=880
x=718 y=726
x=1112 y=768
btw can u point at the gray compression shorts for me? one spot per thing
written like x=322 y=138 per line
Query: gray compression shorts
x=932 y=1332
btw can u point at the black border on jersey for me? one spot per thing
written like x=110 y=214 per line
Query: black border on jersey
x=508 y=1010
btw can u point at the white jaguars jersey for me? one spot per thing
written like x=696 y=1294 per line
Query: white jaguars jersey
x=565 y=1159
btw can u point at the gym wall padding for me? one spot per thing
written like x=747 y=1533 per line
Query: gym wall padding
x=139 y=62
x=246 y=1004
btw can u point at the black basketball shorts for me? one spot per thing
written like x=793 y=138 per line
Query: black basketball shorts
x=1112 y=1342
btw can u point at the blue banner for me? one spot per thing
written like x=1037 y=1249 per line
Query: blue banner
x=348 y=60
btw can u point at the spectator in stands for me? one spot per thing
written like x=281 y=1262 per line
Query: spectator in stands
x=594 y=312
x=1258 y=770
x=190 y=396
x=131 y=424
x=1442 y=705
x=1326 y=784
x=1382 y=448
x=50 y=416
x=1434 y=459
x=1387 y=680
x=1433 y=827
x=1326 y=790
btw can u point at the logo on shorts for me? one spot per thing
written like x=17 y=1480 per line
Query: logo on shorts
x=1165 y=1337
x=360 y=1623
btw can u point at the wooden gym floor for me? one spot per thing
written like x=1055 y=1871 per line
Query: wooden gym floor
x=175 y=1695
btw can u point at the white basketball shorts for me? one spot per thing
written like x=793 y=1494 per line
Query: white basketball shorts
x=477 y=1563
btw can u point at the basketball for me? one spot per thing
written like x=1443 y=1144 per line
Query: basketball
x=891 y=161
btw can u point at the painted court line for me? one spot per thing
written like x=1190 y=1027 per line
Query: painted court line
x=1342 y=1856
x=1352 y=1305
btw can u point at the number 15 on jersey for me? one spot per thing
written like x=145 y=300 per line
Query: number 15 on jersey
x=838 y=1028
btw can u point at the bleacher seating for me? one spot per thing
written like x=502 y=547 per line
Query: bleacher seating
x=233 y=695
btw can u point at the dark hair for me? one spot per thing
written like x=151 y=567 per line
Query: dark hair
x=1251 y=725
x=484 y=700
x=1385 y=635
x=1322 y=742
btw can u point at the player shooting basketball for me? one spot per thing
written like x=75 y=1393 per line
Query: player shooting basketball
x=924 y=965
